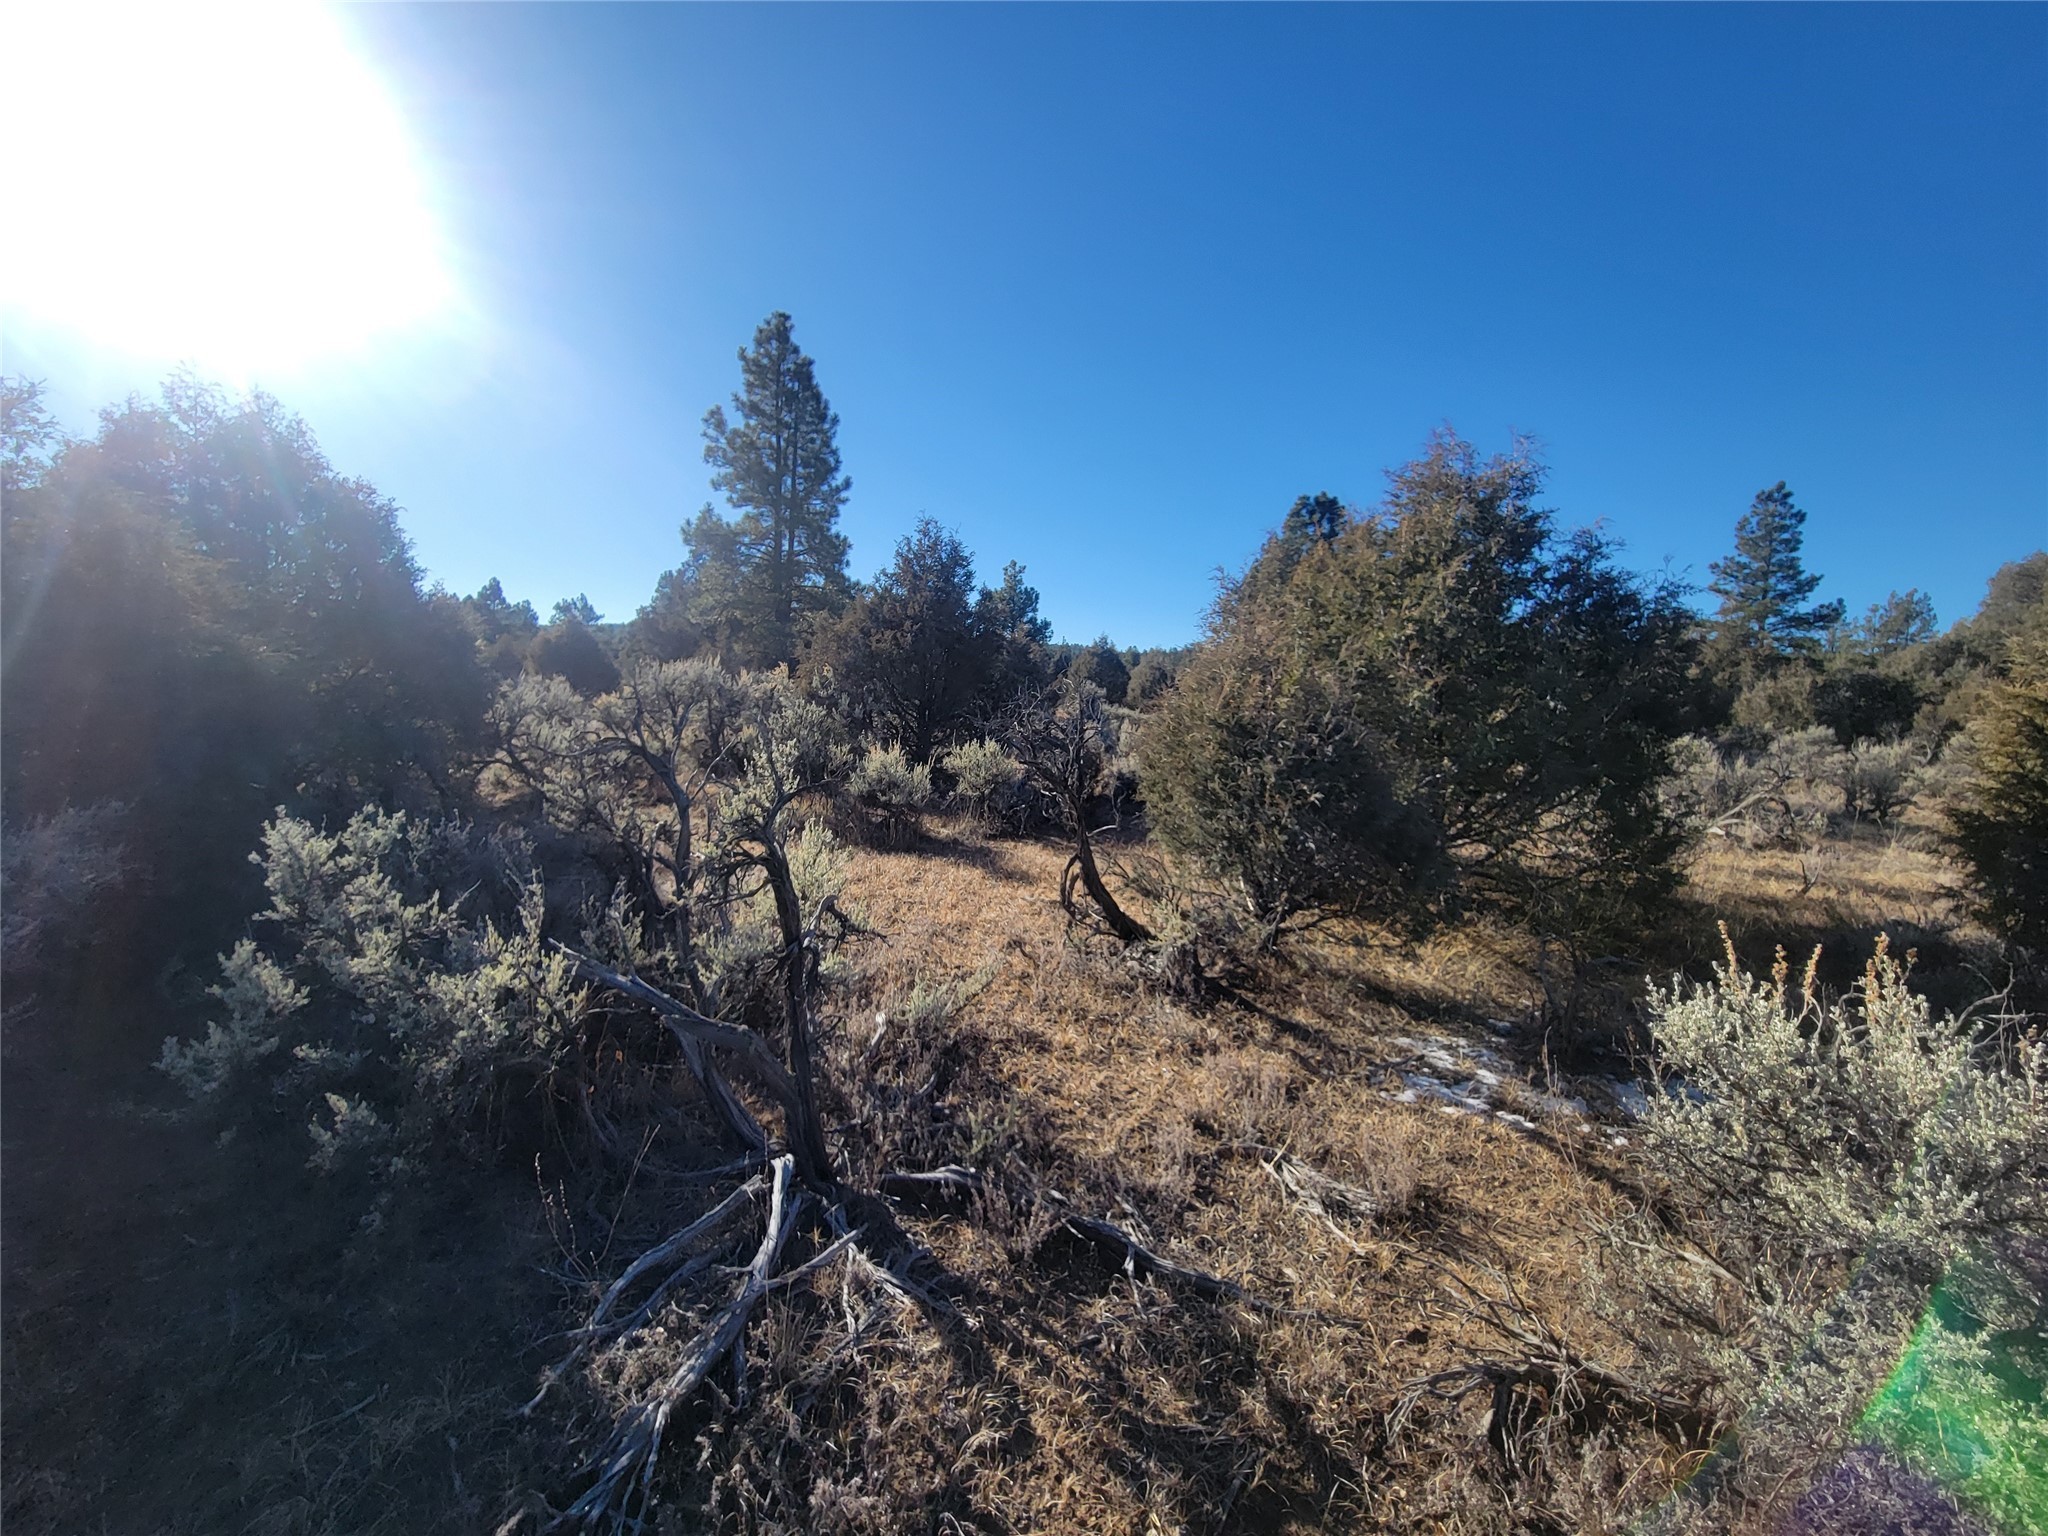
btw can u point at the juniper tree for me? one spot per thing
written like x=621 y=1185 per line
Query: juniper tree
x=1008 y=620
x=2001 y=821
x=1446 y=702
x=909 y=653
x=776 y=458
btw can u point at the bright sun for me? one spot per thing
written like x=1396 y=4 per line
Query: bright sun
x=226 y=184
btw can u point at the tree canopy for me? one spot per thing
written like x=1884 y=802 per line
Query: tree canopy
x=761 y=575
x=1446 y=701
x=1764 y=582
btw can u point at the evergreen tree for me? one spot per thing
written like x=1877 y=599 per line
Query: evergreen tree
x=2001 y=819
x=782 y=559
x=1449 y=704
x=504 y=630
x=1007 y=619
x=1902 y=621
x=909 y=653
x=1763 y=583
x=576 y=610
x=1102 y=664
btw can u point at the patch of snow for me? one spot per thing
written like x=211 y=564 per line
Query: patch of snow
x=1629 y=1098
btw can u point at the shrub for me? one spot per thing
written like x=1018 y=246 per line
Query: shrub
x=383 y=986
x=1858 y=702
x=742 y=948
x=893 y=791
x=54 y=871
x=1835 y=1159
x=986 y=782
x=1877 y=778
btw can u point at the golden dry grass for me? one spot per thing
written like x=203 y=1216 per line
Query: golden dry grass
x=1065 y=1398
x=1092 y=1404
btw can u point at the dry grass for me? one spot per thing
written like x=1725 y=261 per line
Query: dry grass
x=1058 y=1396
x=1086 y=1403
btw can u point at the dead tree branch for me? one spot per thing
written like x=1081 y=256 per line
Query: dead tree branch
x=625 y=1468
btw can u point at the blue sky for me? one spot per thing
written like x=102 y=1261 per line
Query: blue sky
x=1105 y=289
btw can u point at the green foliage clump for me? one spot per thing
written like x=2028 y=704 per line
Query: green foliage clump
x=1439 y=704
x=986 y=781
x=2000 y=821
x=569 y=650
x=893 y=791
x=415 y=1015
x=911 y=654
x=1101 y=664
x=1860 y=703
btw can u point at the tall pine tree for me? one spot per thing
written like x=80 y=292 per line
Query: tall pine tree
x=782 y=559
x=1763 y=583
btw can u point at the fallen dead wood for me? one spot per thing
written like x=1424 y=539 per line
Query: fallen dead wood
x=601 y=1325
x=1549 y=1379
x=955 y=1187
x=1318 y=1194
x=699 y=1036
x=624 y=1469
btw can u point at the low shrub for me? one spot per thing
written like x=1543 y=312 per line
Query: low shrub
x=893 y=793
x=987 y=783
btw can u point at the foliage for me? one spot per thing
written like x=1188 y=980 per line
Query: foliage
x=986 y=781
x=1008 y=620
x=504 y=630
x=761 y=576
x=894 y=792
x=2000 y=822
x=1955 y=671
x=742 y=955
x=259 y=996
x=1100 y=665
x=205 y=619
x=27 y=431
x=389 y=994
x=1153 y=673
x=1877 y=778
x=1887 y=629
x=567 y=649
x=1859 y=702
x=56 y=873
x=1835 y=1158
x=909 y=653
x=1762 y=584
x=1444 y=703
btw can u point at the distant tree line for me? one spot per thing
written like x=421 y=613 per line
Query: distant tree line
x=1440 y=703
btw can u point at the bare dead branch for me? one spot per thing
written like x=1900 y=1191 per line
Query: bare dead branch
x=626 y=1466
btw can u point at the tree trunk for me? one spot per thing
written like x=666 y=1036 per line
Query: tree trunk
x=1121 y=923
x=806 y=1130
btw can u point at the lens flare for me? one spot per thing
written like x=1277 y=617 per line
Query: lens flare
x=231 y=185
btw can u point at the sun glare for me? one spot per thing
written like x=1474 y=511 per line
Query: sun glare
x=226 y=184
